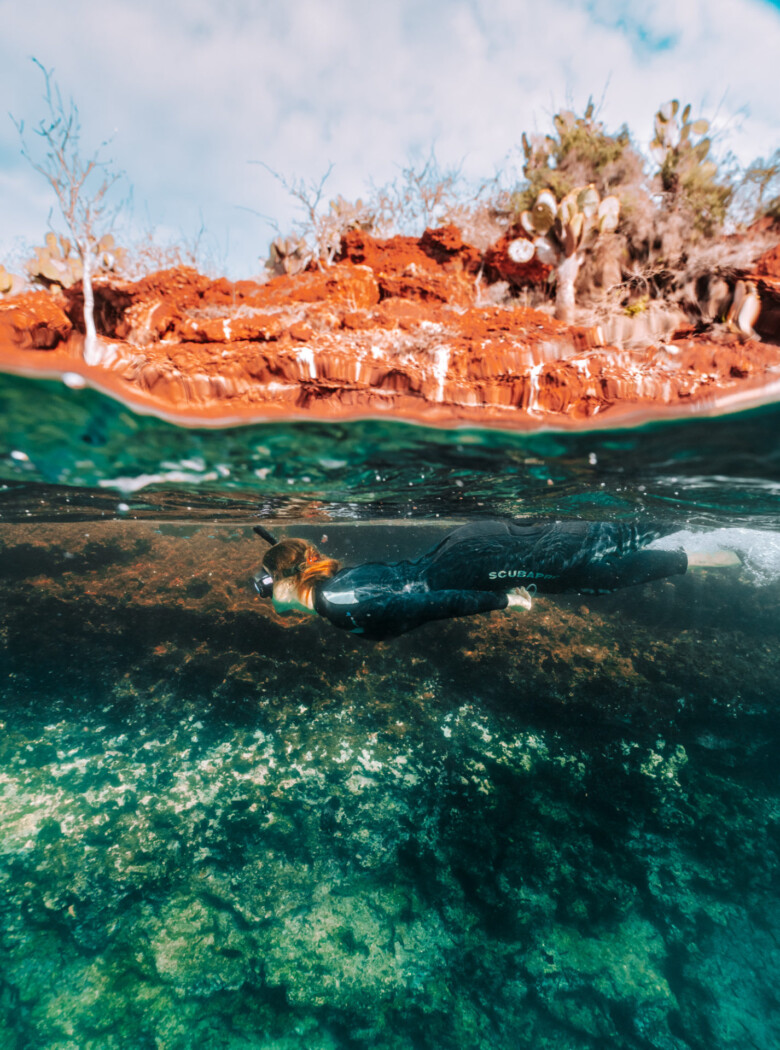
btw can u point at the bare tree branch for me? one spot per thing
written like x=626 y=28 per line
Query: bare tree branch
x=315 y=228
x=80 y=184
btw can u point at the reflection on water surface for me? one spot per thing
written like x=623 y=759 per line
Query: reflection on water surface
x=88 y=457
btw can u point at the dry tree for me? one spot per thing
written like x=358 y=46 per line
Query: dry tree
x=81 y=184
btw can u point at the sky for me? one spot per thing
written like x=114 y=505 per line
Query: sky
x=196 y=96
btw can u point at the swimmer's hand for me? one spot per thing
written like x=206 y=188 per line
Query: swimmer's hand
x=518 y=597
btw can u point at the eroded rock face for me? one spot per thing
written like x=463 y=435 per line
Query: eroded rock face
x=400 y=326
x=769 y=263
x=34 y=320
x=501 y=266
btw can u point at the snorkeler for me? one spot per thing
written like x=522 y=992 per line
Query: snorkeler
x=479 y=567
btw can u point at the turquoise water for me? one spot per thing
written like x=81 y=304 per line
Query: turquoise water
x=223 y=828
x=93 y=455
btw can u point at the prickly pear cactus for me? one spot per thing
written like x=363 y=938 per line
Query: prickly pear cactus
x=10 y=283
x=562 y=232
x=288 y=255
x=350 y=215
x=686 y=173
x=58 y=263
x=108 y=255
x=680 y=144
x=54 y=264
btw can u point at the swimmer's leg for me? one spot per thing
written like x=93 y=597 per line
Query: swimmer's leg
x=631 y=569
x=710 y=549
x=715 y=559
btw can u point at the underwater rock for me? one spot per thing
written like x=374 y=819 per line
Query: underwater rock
x=223 y=827
x=586 y=980
x=737 y=1001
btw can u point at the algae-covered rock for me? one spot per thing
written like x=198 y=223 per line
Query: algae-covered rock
x=222 y=829
x=197 y=949
x=730 y=993
x=594 y=983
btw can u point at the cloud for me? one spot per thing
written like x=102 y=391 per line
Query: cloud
x=192 y=92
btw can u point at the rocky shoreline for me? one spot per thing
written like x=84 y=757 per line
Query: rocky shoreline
x=406 y=327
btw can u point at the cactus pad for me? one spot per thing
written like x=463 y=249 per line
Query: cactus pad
x=543 y=213
x=608 y=214
x=10 y=284
x=58 y=264
x=520 y=250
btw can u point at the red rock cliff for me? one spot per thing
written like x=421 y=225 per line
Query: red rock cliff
x=403 y=326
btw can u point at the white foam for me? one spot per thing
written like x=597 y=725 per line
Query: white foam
x=758 y=549
x=140 y=481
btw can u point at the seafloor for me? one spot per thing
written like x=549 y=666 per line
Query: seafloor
x=224 y=829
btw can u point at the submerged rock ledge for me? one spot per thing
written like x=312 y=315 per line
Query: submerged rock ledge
x=403 y=327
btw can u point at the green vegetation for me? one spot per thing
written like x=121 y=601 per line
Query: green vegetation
x=761 y=185
x=687 y=173
x=580 y=151
x=602 y=214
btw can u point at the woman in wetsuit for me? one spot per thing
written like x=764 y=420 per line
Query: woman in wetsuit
x=479 y=567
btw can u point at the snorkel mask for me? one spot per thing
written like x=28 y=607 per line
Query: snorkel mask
x=263 y=581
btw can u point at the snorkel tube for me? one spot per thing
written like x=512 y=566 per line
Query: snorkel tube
x=263 y=581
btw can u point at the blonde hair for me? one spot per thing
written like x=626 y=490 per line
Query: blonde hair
x=298 y=561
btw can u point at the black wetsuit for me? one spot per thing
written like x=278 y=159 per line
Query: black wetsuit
x=472 y=569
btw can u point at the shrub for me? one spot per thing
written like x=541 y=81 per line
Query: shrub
x=759 y=188
x=57 y=263
x=581 y=152
x=687 y=175
x=81 y=185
